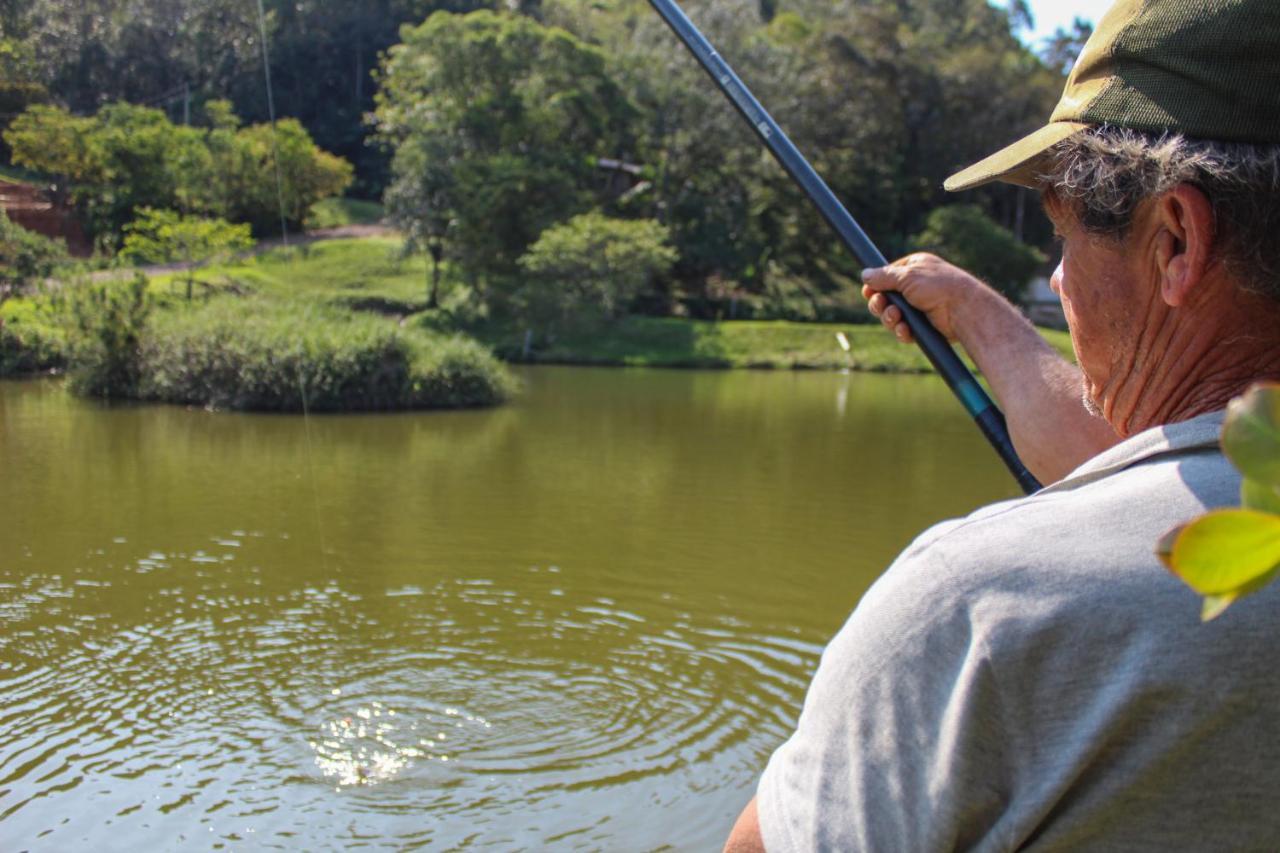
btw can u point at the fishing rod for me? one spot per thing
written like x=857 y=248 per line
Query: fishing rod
x=936 y=348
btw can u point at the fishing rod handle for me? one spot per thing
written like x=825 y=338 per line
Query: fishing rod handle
x=936 y=348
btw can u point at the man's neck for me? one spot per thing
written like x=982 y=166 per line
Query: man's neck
x=1192 y=366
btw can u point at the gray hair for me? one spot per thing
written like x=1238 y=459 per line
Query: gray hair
x=1105 y=173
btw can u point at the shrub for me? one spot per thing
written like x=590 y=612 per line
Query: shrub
x=32 y=338
x=108 y=321
x=967 y=237
x=25 y=256
x=256 y=355
x=593 y=266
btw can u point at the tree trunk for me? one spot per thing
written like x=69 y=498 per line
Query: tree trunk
x=433 y=296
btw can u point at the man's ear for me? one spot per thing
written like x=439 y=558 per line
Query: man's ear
x=1184 y=241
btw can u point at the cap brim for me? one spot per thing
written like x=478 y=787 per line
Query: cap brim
x=1020 y=163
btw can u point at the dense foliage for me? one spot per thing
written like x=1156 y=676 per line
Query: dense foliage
x=502 y=126
x=496 y=121
x=966 y=236
x=177 y=54
x=127 y=157
x=262 y=353
x=33 y=337
x=592 y=267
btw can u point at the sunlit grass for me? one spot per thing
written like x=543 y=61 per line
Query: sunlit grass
x=335 y=212
x=369 y=272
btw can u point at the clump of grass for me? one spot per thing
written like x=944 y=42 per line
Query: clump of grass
x=268 y=356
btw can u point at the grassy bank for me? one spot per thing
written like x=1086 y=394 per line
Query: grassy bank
x=371 y=274
x=670 y=342
x=341 y=325
x=253 y=343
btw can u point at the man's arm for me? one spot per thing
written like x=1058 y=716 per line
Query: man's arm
x=745 y=837
x=1039 y=391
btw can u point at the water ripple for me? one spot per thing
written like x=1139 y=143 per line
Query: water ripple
x=182 y=696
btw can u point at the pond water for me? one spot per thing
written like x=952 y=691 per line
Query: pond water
x=580 y=621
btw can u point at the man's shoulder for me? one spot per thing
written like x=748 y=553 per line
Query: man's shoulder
x=1056 y=551
x=1106 y=519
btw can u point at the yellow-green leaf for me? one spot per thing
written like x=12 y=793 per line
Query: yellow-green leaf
x=1251 y=434
x=1215 y=605
x=1224 y=551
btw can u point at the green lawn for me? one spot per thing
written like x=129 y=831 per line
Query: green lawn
x=671 y=342
x=367 y=272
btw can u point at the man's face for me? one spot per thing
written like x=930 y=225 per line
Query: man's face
x=1101 y=283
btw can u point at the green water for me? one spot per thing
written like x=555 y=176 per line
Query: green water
x=581 y=621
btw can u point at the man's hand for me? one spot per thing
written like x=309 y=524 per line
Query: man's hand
x=941 y=290
x=1038 y=390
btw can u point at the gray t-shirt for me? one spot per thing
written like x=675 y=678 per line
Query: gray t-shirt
x=1031 y=676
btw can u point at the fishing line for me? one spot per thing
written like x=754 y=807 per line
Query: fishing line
x=284 y=235
x=271 y=114
x=311 y=468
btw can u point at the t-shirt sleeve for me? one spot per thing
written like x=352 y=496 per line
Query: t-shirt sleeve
x=902 y=743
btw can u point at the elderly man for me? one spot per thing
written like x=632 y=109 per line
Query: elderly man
x=1030 y=676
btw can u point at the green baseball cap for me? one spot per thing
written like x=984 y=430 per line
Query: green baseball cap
x=1208 y=69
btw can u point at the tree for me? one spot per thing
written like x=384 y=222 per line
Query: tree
x=123 y=158
x=496 y=121
x=307 y=174
x=20 y=86
x=592 y=267
x=128 y=157
x=94 y=52
x=885 y=97
x=1061 y=49
x=323 y=55
x=966 y=236
x=163 y=236
x=418 y=203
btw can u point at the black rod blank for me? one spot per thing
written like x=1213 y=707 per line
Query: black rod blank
x=936 y=348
